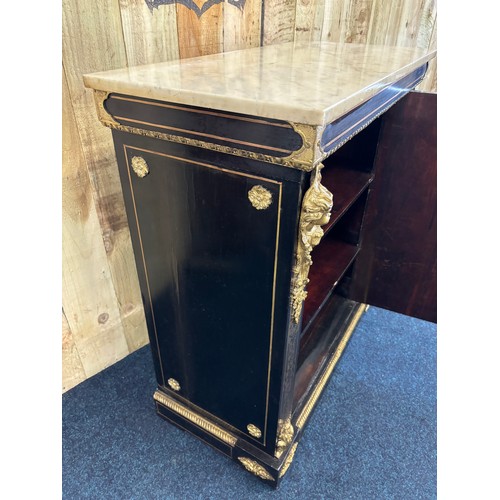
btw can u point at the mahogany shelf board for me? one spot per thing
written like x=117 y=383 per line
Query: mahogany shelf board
x=317 y=346
x=331 y=258
x=346 y=185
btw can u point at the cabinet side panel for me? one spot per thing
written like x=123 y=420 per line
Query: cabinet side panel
x=396 y=268
x=213 y=241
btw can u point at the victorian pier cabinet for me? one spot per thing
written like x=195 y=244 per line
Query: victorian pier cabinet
x=247 y=179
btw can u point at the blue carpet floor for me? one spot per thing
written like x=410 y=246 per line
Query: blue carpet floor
x=372 y=436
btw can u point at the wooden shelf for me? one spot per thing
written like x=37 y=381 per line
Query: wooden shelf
x=346 y=185
x=317 y=347
x=331 y=258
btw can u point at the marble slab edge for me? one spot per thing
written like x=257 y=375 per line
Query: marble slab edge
x=289 y=111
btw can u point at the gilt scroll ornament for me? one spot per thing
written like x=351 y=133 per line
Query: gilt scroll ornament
x=285 y=436
x=316 y=211
x=255 y=468
x=254 y=431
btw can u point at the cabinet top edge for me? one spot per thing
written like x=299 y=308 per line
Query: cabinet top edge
x=310 y=83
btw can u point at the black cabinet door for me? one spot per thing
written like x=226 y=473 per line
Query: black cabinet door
x=206 y=242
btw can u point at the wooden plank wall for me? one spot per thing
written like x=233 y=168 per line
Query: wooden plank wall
x=103 y=318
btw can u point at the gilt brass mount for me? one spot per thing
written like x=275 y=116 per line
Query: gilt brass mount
x=139 y=166
x=255 y=468
x=316 y=211
x=254 y=431
x=285 y=436
x=260 y=197
x=174 y=384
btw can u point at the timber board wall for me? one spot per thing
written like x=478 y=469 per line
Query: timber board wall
x=103 y=318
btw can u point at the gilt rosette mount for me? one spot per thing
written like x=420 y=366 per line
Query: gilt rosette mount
x=174 y=385
x=316 y=211
x=260 y=197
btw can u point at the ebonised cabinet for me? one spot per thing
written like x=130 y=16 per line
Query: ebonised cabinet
x=249 y=226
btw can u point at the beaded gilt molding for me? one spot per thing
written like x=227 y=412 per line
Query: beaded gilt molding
x=195 y=418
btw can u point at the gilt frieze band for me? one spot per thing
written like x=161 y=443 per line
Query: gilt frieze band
x=299 y=155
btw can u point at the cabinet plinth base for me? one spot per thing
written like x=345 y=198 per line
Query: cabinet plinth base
x=224 y=439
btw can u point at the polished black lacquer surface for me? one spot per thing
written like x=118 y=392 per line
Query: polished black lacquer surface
x=214 y=271
x=253 y=133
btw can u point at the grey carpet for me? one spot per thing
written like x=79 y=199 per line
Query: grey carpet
x=372 y=436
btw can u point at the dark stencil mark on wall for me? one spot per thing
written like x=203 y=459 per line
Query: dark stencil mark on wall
x=190 y=4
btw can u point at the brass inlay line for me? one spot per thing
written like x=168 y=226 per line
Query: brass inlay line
x=272 y=308
x=304 y=415
x=371 y=113
x=195 y=418
x=286 y=161
x=144 y=262
x=203 y=112
x=185 y=160
x=203 y=134
x=125 y=146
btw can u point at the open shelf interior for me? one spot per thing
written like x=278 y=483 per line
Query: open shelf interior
x=328 y=311
x=330 y=262
x=346 y=185
x=331 y=259
x=317 y=347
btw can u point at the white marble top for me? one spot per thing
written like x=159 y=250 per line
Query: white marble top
x=311 y=83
